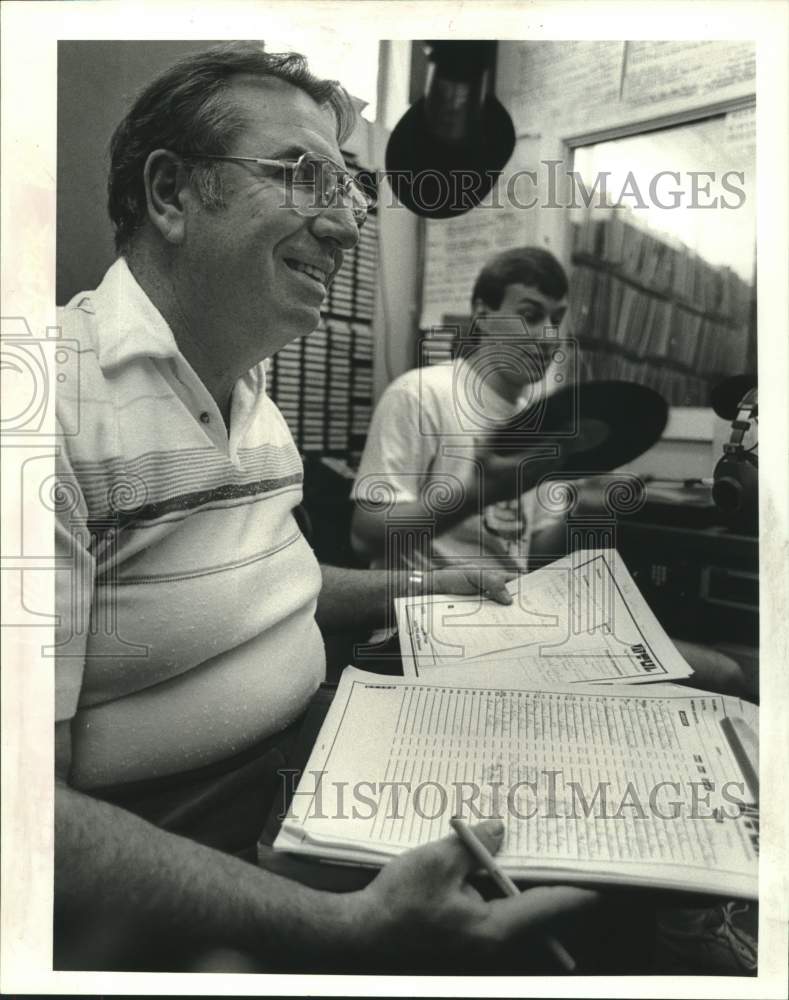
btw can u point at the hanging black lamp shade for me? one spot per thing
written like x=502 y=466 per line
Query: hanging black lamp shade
x=448 y=149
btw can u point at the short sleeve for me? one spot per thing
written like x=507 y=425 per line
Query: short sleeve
x=400 y=447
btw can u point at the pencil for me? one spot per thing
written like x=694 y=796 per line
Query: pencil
x=481 y=854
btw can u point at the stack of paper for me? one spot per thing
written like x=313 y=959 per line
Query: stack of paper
x=531 y=713
x=642 y=786
x=581 y=619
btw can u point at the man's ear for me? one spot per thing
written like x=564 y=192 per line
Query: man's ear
x=479 y=307
x=166 y=181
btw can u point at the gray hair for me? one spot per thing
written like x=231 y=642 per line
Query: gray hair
x=186 y=108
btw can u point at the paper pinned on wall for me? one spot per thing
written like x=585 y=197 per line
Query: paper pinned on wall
x=740 y=137
x=565 y=84
x=552 y=81
x=456 y=250
x=681 y=70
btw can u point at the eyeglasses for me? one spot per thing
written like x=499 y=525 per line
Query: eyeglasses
x=315 y=183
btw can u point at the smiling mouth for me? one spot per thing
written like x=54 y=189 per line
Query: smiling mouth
x=317 y=274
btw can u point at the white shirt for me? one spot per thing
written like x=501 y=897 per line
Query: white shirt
x=184 y=553
x=424 y=429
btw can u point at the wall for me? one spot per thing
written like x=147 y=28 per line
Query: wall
x=564 y=94
x=97 y=83
x=397 y=290
x=561 y=95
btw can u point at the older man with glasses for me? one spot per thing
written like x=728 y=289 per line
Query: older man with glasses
x=189 y=643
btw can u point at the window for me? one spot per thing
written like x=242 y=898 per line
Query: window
x=709 y=203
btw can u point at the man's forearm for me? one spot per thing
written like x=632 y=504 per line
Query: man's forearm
x=445 y=501
x=109 y=862
x=358 y=599
x=369 y=527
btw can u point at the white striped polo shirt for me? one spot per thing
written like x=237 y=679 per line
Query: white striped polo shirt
x=187 y=613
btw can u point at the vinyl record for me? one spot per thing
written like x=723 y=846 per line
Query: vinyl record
x=600 y=426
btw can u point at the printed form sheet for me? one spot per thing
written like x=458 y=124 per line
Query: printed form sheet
x=581 y=619
x=655 y=786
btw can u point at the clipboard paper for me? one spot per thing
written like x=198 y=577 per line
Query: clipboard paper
x=644 y=786
x=582 y=619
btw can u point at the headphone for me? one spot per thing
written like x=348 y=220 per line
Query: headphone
x=735 y=487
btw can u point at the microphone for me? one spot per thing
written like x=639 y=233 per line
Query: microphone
x=735 y=489
x=727 y=395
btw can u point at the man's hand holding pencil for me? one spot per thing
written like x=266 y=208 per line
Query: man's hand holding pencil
x=432 y=909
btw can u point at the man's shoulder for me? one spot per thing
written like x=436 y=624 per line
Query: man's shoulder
x=96 y=382
x=418 y=381
x=82 y=321
x=78 y=324
x=80 y=341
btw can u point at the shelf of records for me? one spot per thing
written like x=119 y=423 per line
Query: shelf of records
x=323 y=382
x=323 y=385
x=352 y=293
x=606 y=308
x=599 y=360
x=678 y=388
x=641 y=308
x=437 y=344
x=661 y=266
